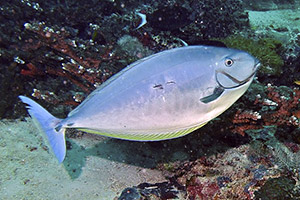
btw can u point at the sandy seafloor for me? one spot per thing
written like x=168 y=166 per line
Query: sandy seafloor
x=95 y=167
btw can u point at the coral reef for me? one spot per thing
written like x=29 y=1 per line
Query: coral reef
x=218 y=18
x=277 y=189
x=285 y=155
x=161 y=18
x=73 y=66
x=277 y=106
x=146 y=191
x=251 y=171
x=229 y=175
x=59 y=51
x=132 y=48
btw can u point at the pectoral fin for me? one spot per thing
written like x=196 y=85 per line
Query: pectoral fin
x=217 y=92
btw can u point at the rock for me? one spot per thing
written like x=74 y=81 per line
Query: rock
x=130 y=194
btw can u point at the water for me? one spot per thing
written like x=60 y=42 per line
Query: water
x=57 y=52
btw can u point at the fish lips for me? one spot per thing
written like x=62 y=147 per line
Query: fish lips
x=229 y=82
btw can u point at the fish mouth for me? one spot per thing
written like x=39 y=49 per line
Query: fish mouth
x=238 y=82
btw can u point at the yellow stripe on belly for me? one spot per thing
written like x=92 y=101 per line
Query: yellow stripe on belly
x=145 y=137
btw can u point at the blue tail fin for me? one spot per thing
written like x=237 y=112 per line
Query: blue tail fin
x=50 y=125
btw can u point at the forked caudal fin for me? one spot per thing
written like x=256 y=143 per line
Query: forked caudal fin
x=48 y=124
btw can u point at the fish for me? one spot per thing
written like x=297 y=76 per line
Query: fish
x=143 y=20
x=297 y=82
x=163 y=96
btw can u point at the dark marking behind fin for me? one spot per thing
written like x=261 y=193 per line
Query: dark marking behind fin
x=217 y=92
x=158 y=86
x=57 y=129
x=70 y=124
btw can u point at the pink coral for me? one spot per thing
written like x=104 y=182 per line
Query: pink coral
x=285 y=112
x=75 y=69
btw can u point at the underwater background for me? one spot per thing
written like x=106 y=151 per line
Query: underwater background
x=58 y=51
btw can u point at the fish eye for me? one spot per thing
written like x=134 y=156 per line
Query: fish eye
x=229 y=62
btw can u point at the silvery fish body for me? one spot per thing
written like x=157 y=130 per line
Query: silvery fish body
x=163 y=96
